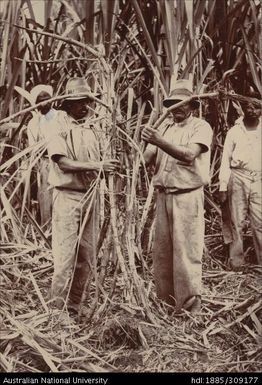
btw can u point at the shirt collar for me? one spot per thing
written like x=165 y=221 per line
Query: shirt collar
x=50 y=115
x=79 y=123
x=185 y=122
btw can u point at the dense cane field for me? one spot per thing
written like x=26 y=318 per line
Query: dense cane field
x=130 y=52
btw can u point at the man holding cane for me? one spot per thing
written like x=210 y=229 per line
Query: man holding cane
x=181 y=152
x=75 y=168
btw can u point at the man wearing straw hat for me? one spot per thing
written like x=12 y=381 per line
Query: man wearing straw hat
x=181 y=151
x=75 y=168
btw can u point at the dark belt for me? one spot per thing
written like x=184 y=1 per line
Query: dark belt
x=176 y=192
x=70 y=189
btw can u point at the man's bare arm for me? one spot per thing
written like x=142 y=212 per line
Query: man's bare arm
x=184 y=153
x=71 y=165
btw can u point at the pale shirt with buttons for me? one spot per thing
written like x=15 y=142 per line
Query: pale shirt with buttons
x=242 y=151
x=174 y=174
x=76 y=142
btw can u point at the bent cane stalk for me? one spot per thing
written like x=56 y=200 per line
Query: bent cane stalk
x=210 y=95
x=51 y=100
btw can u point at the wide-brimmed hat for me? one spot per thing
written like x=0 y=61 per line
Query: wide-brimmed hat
x=75 y=86
x=181 y=91
x=35 y=92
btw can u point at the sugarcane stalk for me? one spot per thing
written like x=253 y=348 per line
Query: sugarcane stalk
x=137 y=163
x=210 y=95
x=130 y=231
x=85 y=46
x=111 y=189
x=233 y=96
x=51 y=100
x=116 y=241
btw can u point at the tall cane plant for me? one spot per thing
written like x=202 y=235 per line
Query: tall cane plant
x=131 y=53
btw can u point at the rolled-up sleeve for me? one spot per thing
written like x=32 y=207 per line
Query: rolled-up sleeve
x=202 y=135
x=57 y=146
x=225 y=170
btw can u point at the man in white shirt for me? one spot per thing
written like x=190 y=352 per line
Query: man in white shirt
x=38 y=94
x=240 y=184
x=181 y=152
x=36 y=132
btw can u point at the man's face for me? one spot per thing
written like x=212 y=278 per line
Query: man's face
x=41 y=98
x=78 y=108
x=251 y=111
x=181 y=113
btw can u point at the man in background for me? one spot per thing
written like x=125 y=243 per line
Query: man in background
x=240 y=184
x=36 y=131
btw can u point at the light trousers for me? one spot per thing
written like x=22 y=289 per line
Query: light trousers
x=73 y=245
x=244 y=199
x=178 y=246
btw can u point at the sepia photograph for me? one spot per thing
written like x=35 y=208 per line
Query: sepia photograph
x=131 y=208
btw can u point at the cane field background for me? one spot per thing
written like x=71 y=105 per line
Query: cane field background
x=130 y=51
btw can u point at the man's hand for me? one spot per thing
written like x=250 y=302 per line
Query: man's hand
x=110 y=165
x=71 y=165
x=222 y=196
x=151 y=135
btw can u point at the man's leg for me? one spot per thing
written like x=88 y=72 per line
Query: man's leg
x=65 y=226
x=255 y=209
x=162 y=252
x=86 y=256
x=187 y=213
x=238 y=192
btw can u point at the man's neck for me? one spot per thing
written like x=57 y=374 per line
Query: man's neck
x=185 y=121
x=251 y=124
